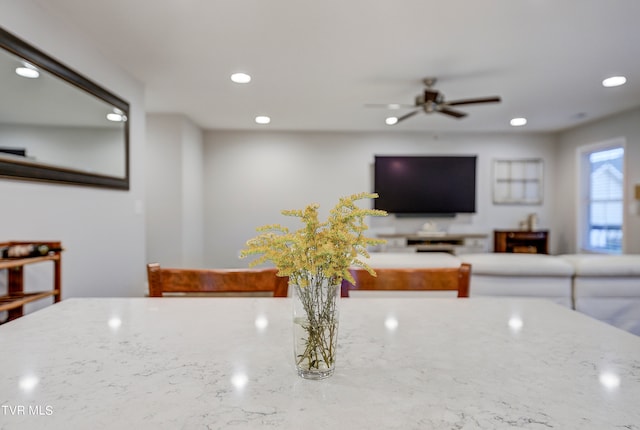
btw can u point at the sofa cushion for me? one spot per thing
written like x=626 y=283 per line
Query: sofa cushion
x=508 y=264
x=604 y=265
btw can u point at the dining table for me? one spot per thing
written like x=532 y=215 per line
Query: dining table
x=402 y=363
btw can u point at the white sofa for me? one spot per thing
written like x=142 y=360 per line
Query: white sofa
x=607 y=287
x=520 y=275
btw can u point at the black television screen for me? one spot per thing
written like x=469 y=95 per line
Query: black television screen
x=438 y=185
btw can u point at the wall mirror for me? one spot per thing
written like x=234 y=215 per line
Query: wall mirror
x=56 y=125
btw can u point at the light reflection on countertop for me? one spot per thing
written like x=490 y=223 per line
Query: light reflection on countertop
x=515 y=324
x=391 y=323
x=261 y=322
x=609 y=380
x=28 y=383
x=115 y=323
x=239 y=380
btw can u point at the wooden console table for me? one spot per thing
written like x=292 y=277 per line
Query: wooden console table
x=531 y=242
x=13 y=302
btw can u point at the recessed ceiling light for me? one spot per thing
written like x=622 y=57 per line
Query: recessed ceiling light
x=391 y=120
x=241 y=78
x=614 y=81
x=116 y=116
x=263 y=119
x=27 y=71
x=518 y=122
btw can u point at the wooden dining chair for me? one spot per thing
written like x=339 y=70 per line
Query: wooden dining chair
x=198 y=281
x=411 y=279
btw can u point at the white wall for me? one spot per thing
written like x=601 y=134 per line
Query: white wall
x=626 y=125
x=192 y=196
x=102 y=230
x=174 y=191
x=251 y=176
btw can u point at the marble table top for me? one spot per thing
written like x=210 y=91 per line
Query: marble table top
x=403 y=363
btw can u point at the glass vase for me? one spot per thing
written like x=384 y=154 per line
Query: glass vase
x=315 y=328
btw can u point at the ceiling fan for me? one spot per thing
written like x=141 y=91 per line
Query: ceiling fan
x=432 y=100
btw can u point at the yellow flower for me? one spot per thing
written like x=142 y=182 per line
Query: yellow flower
x=320 y=250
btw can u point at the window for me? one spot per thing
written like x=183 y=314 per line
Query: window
x=603 y=203
x=517 y=181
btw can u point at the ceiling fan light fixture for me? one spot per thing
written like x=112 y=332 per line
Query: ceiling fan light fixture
x=263 y=119
x=614 y=81
x=241 y=78
x=392 y=120
x=518 y=122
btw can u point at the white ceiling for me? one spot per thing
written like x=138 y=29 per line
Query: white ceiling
x=315 y=64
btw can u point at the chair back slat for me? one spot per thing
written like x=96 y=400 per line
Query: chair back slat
x=239 y=281
x=411 y=279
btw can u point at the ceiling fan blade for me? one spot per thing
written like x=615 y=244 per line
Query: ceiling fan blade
x=451 y=112
x=392 y=106
x=409 y=115
x=474 y=101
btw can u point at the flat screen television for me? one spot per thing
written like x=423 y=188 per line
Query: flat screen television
x=425 y=185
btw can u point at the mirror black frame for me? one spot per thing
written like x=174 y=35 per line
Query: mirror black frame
x=35 y=172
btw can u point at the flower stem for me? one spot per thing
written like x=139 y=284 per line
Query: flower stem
x=318 y=300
